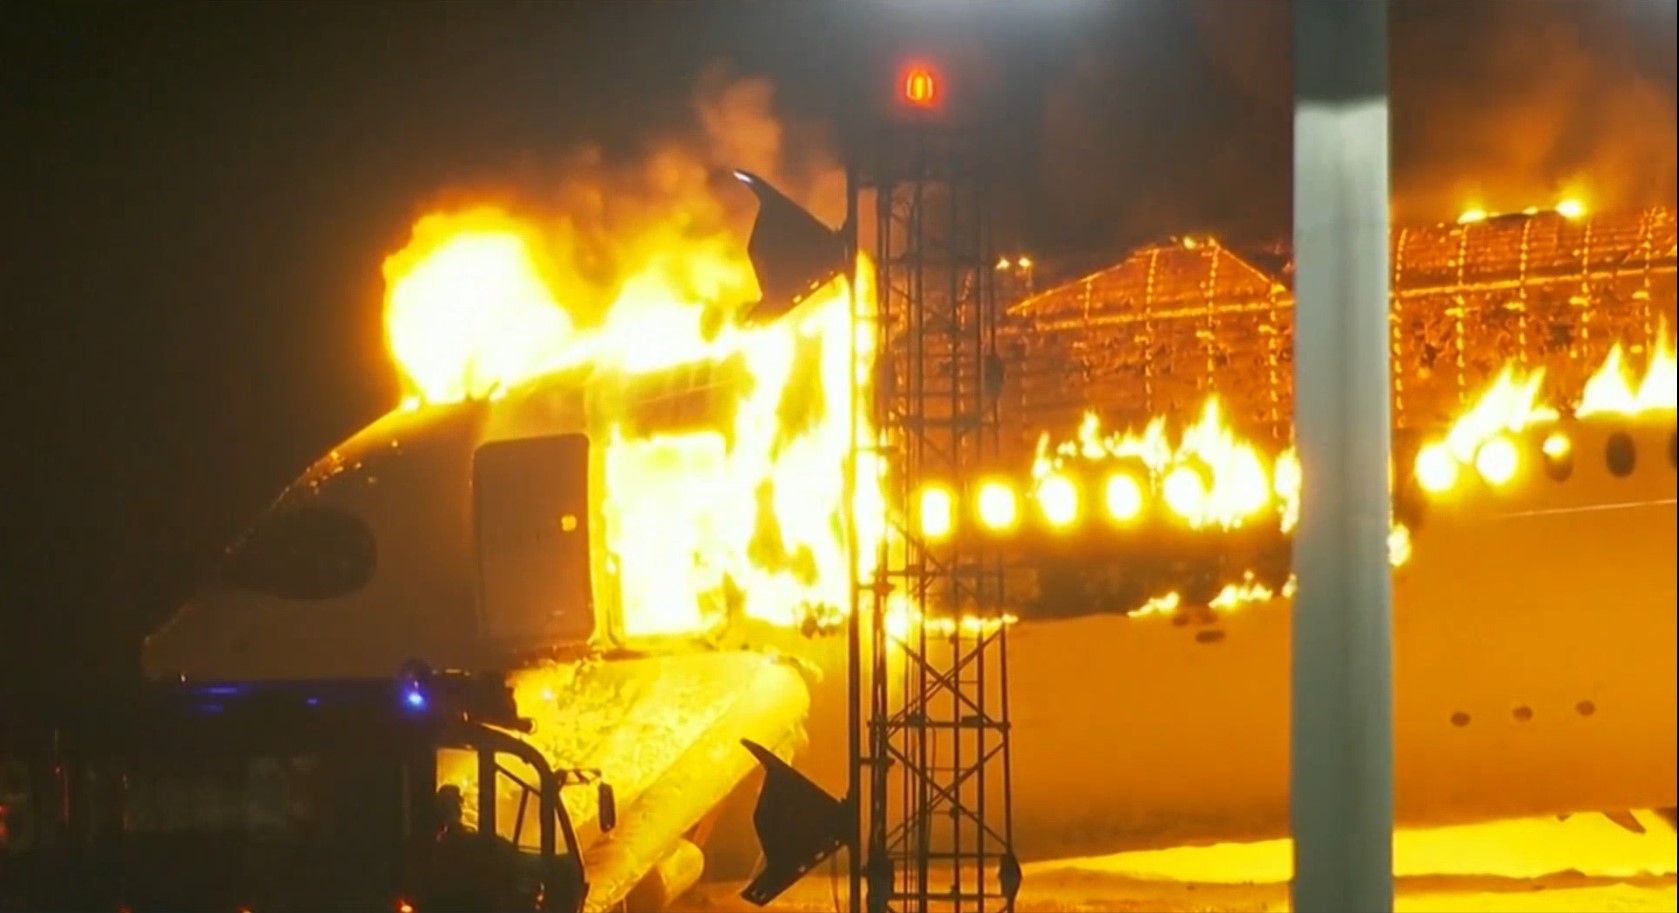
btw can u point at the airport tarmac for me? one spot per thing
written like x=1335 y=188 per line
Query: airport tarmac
x=1584 y=863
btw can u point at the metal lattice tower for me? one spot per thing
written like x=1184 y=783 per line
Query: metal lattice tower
x=934 y=757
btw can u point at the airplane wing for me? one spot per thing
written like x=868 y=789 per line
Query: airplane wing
x=666 y=732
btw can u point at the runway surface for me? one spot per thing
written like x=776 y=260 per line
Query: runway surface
x=1586 y=863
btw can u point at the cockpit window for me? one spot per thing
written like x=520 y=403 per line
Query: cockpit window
x=304 y=553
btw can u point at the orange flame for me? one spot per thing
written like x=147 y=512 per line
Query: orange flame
x=1512 y=404
x=1241 y=486
x=745 y=517
x=1568 y=207
x=1609 y=392
x=1211 y=479
x=468 y=309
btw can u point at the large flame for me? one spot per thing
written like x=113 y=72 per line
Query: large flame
x=1609 y=391
x=1513 y=403
x=745 y=516
x=1210 y=477
x=468 y=310
x=1212 y=480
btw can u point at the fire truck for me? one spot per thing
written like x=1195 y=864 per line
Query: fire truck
x=287 y=796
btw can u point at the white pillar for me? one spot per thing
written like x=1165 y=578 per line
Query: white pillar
x=1341 y=787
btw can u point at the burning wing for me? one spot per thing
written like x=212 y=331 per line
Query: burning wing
x=665 y=731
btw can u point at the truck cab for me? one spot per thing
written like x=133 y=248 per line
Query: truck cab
x=294 y=796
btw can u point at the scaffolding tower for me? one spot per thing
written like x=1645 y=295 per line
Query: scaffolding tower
x=933 y=755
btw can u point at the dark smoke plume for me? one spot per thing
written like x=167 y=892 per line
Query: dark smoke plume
x=1185 y=125
x=1507 y=105
x=665 y=201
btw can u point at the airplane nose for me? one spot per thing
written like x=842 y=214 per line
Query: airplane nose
x=167 y=652
x=157 y=658
x=223 y=636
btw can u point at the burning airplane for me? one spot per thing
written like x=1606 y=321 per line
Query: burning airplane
x=646 y=519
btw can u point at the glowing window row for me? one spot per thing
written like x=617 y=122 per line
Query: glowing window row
x=1499 y=460
x=1057 y=501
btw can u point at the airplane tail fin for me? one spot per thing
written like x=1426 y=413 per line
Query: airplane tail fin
x=792 y=253
x=798 y=825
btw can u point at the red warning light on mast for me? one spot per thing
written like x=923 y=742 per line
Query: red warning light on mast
x=920 y=86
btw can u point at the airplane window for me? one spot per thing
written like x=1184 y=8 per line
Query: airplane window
x=304 y=554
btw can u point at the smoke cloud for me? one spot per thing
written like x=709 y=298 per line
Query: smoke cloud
x=667 y=205
x=742 y=126
x=1147 y=121
x=1499 y=105
x=1527 y=104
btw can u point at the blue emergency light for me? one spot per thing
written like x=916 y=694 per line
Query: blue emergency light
x=414 y=698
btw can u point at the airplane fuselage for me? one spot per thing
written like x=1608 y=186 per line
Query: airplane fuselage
x=1533 y=637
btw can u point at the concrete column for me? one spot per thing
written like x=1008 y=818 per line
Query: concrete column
x=1341 y=788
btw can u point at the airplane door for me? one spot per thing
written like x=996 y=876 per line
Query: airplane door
x=531 y=517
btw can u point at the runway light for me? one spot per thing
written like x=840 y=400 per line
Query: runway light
x=935 y=512
x=998 y=509
x=1058 y=498
x=1496 y=460
x=1185 y=491
x=1436 y=469
x=415 y=699
x=1123 y=497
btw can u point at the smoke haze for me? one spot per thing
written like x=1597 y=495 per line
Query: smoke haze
x=1499 y=105
x=667 y=203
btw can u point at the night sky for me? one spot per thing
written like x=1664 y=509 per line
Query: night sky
x=198 y=197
